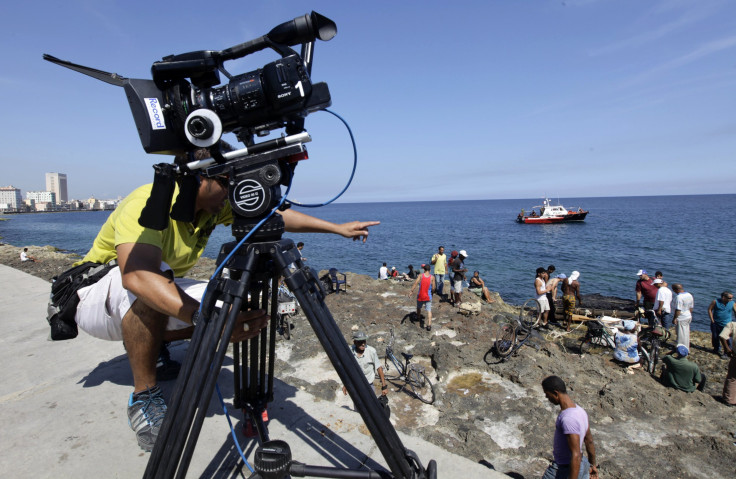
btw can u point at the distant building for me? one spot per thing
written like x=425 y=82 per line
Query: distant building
x=93 y=204
x=56 y=183
x=42 y=197
x=10 y=199
x=76 y=205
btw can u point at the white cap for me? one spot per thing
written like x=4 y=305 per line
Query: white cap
x=463 y=253
x=575 y=275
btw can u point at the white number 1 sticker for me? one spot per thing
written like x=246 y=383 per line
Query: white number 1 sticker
x=301 y=88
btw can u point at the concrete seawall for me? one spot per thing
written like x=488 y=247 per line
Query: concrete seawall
x=62 y=407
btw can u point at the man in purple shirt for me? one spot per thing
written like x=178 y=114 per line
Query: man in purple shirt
x=571 y=431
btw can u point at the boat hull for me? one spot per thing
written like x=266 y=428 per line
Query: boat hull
x=570 y=217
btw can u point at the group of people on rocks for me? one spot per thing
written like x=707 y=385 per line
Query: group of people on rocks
x=427 y=283
x=385 y=273
x=546 y=289
x=659 y=304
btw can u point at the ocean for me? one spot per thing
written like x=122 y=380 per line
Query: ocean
x=688 y=238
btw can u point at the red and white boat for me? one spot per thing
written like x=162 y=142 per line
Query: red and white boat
x=549 y=213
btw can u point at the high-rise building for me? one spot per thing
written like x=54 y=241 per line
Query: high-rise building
x=10 y=198
x=56 y=183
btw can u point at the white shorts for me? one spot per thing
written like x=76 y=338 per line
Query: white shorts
x=103 y=305
x=457 y=286
x=543 y=304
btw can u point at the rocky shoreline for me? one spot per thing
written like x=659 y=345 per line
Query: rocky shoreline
x=495 y=413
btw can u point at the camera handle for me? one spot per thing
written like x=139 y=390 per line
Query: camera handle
x=249 y=271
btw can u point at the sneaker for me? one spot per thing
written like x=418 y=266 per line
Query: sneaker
x=146 y=411
x=429 y=328
x=166 y=368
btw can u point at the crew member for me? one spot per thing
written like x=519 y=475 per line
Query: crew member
x=146 y=300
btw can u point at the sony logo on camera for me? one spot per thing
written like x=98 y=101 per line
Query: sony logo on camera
x=155 y=113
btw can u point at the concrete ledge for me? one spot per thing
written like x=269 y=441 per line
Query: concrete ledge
x=63 y=404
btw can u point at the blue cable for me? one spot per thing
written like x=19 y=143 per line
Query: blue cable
x=352 y=173
x=232 y=429
x=242 y=241
x=217 y=270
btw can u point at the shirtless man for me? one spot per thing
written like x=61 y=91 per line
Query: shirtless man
x=570 y=294
x=541 y=289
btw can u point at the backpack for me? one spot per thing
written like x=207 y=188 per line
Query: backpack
x=63 y=301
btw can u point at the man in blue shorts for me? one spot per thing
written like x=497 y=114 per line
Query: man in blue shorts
x=571 y=432
x=439 y=260
x=721 y=313
x=426 y=284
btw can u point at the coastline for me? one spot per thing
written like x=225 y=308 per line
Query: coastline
x=496 y=412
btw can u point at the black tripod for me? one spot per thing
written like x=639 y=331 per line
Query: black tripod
x=251 y=273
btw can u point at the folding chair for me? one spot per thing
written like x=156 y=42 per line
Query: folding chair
x=336 y=281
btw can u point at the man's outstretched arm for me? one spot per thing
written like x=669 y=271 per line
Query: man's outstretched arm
x=297 y=222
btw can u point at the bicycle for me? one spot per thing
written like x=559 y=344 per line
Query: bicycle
x=510 y=336
x=596 y=335
x=287 y=307
x=412 y=374
x=654 y=337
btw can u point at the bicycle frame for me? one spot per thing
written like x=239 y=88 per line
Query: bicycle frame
x=412 y=375
x=400 y=368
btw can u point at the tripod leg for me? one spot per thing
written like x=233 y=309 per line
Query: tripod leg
x=305 y=286
x=196 y=382
x=213 y=362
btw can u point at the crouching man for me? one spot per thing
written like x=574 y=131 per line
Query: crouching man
x=145 y=300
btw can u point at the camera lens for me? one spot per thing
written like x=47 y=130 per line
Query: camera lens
x=200 y=127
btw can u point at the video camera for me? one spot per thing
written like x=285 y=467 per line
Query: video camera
x=176 y=117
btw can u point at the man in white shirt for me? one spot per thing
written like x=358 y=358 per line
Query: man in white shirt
x=368 y=361
x=383 y=272
x=24 y=256
x=683 y=314
x=663 y=303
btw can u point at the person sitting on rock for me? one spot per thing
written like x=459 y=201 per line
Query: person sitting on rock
x=383 y=272
x=25 y=257
x=478 y=286
x=627 y=347
x=680 y=373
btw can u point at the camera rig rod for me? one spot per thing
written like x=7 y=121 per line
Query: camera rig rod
x=269 y=145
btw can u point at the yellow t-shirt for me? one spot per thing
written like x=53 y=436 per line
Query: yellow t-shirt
x=181 y=243
x=439 y=265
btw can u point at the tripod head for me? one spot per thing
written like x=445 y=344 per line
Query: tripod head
x=254 y=185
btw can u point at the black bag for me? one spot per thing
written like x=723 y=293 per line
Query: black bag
x=64 y=300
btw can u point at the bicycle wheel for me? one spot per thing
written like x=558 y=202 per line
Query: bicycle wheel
x=644 y=360
x=286 y=325
x=420 y=385
x=530 y=313
x=505 y=343
x=654 y=359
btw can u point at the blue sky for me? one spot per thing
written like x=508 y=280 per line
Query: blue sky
x=486 y=99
